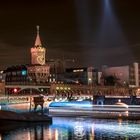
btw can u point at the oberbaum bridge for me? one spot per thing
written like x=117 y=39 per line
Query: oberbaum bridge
x=68 y=92
x=18 y=91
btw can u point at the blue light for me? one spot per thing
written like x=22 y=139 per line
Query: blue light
x=24 y=72
x=71 y=104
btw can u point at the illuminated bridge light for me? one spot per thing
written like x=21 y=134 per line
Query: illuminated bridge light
x=70 y=104
x=79 y=70
x=15 y=90
x=61 y=88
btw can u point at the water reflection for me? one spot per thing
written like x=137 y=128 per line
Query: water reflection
x=85 y=128
x=72 y=129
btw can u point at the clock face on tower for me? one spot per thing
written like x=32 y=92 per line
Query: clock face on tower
x=40 y=59
x=38 y=55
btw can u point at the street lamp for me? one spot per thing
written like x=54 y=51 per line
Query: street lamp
x=90 y=83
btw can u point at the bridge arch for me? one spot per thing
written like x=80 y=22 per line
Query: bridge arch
x=100 y=102
x=30 y=89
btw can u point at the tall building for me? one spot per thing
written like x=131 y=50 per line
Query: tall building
x=35 y=73
x=126 y=75
x=84 y=75
x=2 y=82
x=38 y=71
x=38 y=52
x=134 y=75
x=16 y=75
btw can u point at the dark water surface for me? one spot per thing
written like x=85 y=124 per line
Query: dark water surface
x=71 y=129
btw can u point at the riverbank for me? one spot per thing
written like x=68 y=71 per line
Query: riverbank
x=24 y=117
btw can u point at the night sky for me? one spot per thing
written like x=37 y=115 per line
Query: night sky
x=93 y=32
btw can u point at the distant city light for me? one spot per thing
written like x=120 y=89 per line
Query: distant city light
x=89 y=79
x=1 y=71
x=24 y=72
x=80 y=70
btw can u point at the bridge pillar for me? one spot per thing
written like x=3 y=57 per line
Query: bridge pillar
x=99 y=100
x=39 y=101
x=133 y=100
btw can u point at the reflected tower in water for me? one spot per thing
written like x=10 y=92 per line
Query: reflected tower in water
x=74 y=129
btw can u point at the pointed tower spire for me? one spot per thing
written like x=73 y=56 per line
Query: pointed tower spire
x=38 y=41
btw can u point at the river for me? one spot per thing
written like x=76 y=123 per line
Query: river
x=72 y=128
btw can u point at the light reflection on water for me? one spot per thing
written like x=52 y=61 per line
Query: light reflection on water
x=73 y=129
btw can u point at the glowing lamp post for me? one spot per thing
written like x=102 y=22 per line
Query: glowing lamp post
x=90 y=83
x=89 y=80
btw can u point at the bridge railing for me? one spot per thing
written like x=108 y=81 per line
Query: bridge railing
x=27 y=83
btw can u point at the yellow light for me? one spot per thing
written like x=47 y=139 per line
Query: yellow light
x=57 y=88
x=79 y=70
x=138 y=89
x=1 y=72
x=89 y=79
x=50 y=134
x=92 y=133
x=56 y=134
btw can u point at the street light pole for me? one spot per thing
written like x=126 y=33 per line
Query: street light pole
x=90 y=84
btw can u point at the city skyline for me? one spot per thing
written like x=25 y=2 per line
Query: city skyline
x=93 y=33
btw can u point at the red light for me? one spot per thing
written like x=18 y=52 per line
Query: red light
x=15 y=90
